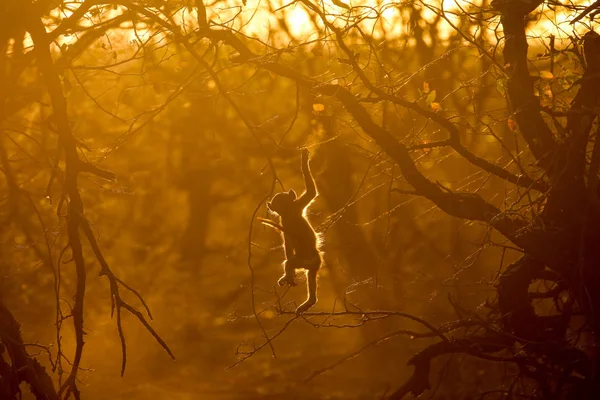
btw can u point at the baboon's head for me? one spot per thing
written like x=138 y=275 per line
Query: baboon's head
x=282 y=202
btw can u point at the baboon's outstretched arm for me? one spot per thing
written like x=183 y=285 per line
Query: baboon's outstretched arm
x=309 y=182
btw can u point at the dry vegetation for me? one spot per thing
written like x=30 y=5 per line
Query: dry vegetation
x=454 y=148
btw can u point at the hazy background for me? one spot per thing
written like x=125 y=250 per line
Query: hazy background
x=175 y=224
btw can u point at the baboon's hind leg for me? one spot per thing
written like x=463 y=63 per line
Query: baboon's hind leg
x=311 y=283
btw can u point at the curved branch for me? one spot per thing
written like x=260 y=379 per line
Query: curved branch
x=453 y=141
x=76 y=219
x=477 y=346
x=75 y=206
x=462 y=205
x=522 y=99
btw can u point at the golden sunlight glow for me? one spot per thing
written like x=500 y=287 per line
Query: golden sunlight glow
x=379 y=17
x=299 y=21
x=262 y=19
x=142 y=144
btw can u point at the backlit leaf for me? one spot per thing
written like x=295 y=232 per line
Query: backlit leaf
x=430 y=97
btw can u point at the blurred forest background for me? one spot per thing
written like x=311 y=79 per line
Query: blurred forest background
x=140 y=140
